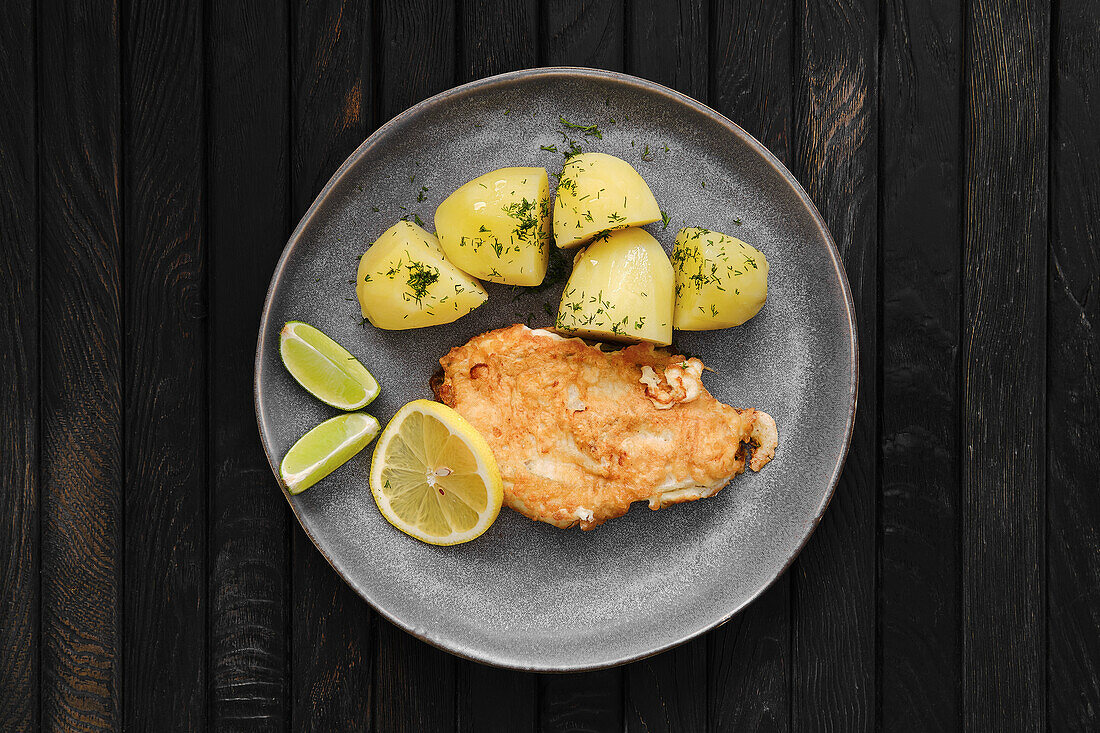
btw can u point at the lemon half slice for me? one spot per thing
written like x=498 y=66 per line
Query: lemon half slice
x=325 y=368
x=434 y=476
x=325 y=448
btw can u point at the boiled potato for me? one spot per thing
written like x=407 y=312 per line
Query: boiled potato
x=404 y=281
x=620 y=289
x=497 y=226
x=720 y=280
x=599 y=192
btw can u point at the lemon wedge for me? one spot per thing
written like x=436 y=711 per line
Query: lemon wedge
x=434 y=476
x=325 y=368
x=325 y=448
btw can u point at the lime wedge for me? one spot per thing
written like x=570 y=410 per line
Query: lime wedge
x=325 y=368
x=325 y=448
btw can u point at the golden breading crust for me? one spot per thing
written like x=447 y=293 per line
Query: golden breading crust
x=579 y=433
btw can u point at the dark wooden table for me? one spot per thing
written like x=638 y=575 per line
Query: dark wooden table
x=154 y=155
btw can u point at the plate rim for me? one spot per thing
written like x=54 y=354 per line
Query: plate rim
x=631 y=81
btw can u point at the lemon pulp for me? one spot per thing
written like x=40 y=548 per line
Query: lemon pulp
x=434 y=476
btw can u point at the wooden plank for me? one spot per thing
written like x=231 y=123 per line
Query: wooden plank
x=588 y=701
x=428 y=26
x=164 y=658
x=247 y=73
x=80 y=214
x=19 y=490
x=583 y=33
x=667 y=43
x=579 y=33
x=833 y=581
x=496 y=36
x=751 y=82
x=1073 y=374
x=414 y=687
x=668 y=692
x=1003 y=364
x=921 y=238
x=332 y=105
x=414 y=682
x=496 y=699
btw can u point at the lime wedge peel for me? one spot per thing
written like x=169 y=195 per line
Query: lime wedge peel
x=325 y=368
x=434 y=477
x=324 y=449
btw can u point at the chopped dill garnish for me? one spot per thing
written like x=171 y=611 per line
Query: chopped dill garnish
x=549 y=148
x=527 y=221
x=646 y=155
x=664 y=220
x=416 y=218
x=589 y=130
x=421 y=277
x=737 y=221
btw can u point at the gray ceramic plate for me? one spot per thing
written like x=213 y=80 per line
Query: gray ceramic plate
x=525 y=594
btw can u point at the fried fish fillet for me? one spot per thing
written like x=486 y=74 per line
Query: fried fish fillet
x=579 y=433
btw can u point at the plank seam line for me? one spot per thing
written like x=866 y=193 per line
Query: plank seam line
x=879 y=452
x=1052 y=132
x=960 y=386
x=208 y=345
x=39 y=484
x=122 y=26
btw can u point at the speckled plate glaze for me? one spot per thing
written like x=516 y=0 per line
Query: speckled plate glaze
x=527 y=595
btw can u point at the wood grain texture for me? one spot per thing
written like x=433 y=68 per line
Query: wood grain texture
x=164 y=642
x=19 y=491
x=749 y=666
x=81 y=364
x=1003 y=364
x=667 y=43
x=495 y=36
x=591 y=702
x=414 y=688
x=920 y=232
x=248 y=82
x=833 y=580
x=668 y=692
x=751 y=82
x=582 y=33
x=332 y=104
x=490 y=699
x=1073 y=374
x=416 y=53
